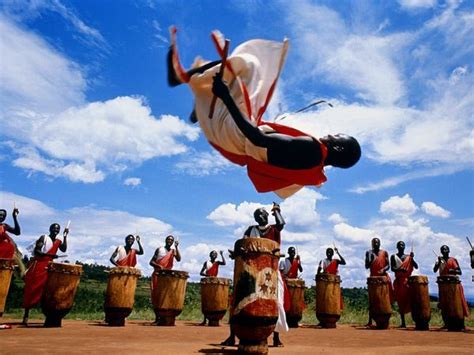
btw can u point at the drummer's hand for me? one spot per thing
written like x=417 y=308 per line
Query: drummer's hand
x=297 y=257
x=137 y=238
x=335 y=249
x=221 y=252
x=54 y=256
x=66 y=231
x=176 y=243
x=231 y=253
x=412 y=254
x=275 y=207
x=440 y=259
x=15 y=212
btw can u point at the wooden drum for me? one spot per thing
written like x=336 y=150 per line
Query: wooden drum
x=254 y=310
x=6 y=271
x=419 y=301
x=168 y=295
x=214 y=298
x=59 y=292
x=450 y=302
x=296 y=289
x=328 y=299
x=120 y=294
x=380 y=308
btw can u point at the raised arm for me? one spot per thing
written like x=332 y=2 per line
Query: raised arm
x=251 y=132
x=415 y=265
x=16 y=229
x=437 y=264
x=222 y=257
x=177 y=255
x=140 y=248
x=63 y=246
x=342 y=261
x=279 y=221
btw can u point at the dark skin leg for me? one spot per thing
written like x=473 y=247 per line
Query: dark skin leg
x=230 y=341
x=276 y=340
x=403 y=325
x=25 y=317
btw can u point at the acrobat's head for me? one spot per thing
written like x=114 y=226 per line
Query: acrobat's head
x=343 y=150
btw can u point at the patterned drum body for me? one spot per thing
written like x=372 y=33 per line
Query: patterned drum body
x=296 y=289
x=168 y=296
x=120 y=294
x=6 y=271
x=419 y=301
x=59 y=292
x=450 y=302
x=214 y=298
x=254 y=310
x=380 y=307
x=328 y=299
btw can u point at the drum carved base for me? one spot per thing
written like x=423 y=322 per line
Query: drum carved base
x=257 y=348
x=382 y=321
x=454 y=324
x=292 y=321
x=54 y=317
x=166 y=317
x=115 y=316
x=328 y=321
x=422 y=325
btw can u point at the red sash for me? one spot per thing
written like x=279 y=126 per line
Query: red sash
x=332 y=267
x=129 y=260
x=213 y=270
x=7 y=246
x=400 y=285
x=266 y=177
x=293 y=271
x=452 y=264
x=36 y=277
x=379 y=263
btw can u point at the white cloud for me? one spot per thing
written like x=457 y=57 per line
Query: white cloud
x=132 y=181
x=336 y=218
x=433 y=209
x=417 y=4
x=59 y=134
x=203 y=164
x=397 y=205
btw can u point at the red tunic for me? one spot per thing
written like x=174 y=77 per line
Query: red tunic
x=36 y=277
x=166 y=262
x=129 y=260
x=453 y=264
x=213 y=270
x=380 y=263
x=7 y=246
x=293 y=271
x=400 y=285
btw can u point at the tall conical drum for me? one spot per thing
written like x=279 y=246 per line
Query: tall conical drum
x=296 y=288
x=419 y=301
x=6 y=271
x=380 y=307
x=214 y=298
x=328 y=299
x=450 y=302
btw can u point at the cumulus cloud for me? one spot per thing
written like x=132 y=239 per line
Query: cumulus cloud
x=336 y=218
x=433 y=209
x=399 y=205
x=196 y=163
x=417 y=4
x=132 y=181
x=58 y=133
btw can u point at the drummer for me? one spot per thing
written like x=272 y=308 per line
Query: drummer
x=7 y=245
x=126 y=255
x=211 y=268
x=330 y=265
x=449 y=266
x=291 y=265
x=165 y=255
x=272 y=232
x=402 y=265
x=376 y=260
x=45 y=251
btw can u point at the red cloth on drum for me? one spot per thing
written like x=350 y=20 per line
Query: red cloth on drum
x=166 y=263
x=453 y=264
x=213 y=270
x=400 y=285
x=332 y=269
x=36 y=277
x=129 y=260
x=379 y=263
x=286 y=295
x=293 y=271
x=7 y=246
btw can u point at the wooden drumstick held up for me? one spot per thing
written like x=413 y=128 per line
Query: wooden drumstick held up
x=221 y=73
x=467 y=238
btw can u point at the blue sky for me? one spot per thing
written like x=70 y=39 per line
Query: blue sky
x=92 y=133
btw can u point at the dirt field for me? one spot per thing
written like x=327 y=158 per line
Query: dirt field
x=139 y=337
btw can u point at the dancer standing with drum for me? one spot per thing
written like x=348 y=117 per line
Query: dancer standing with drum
x=294 y=288
x=291 y=265
x=7 y=245
x=330 y=265
x=45 y=251
x=402 y=265
x=272 y=232
x=377 y=261
x=126 y=255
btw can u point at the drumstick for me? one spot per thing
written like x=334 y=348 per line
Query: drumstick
x=438 y=256
x=221 y=74
x=469 y=243
x=62 y=256
x=68 y=224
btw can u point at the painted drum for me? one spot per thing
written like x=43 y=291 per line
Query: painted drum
x=254 y=311
x=168 y=295
x=120 y=294
x=380 y=307
x=214 y=298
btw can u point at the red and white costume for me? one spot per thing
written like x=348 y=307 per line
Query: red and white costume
x=7 y=246
x=252 y=71
x=381 y=262
x=289 y=268
x=444 y=271
x=212 y=268
x=126 y=259
x=165 y=259
x=37 y=274
x=400 y=284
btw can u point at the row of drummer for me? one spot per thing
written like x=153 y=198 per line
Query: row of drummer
x=377 y=260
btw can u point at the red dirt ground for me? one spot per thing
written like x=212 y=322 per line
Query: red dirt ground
x=139 y=337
